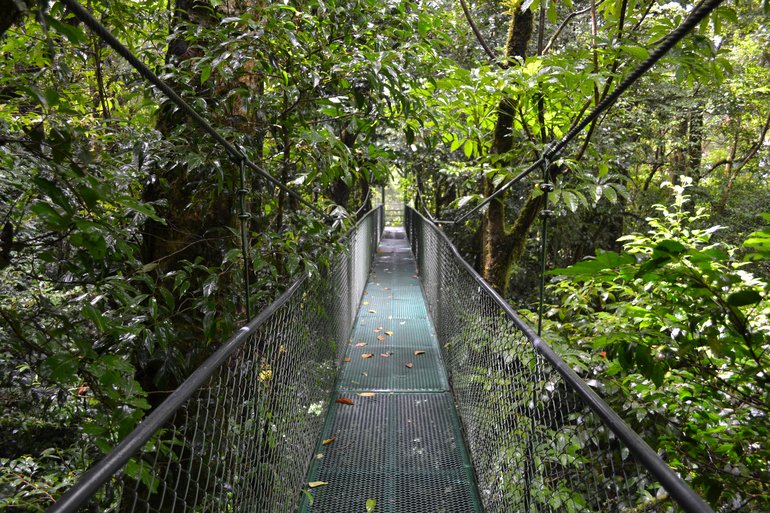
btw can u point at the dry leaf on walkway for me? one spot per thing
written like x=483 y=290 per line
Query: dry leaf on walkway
x=367 y=355
x=372 y=311
x=418 y=353
x=329 y=440
x=377 y=330
x=344 y=400
x=360 y=344
x=366 y=303
x=389 y=333
x=381 y=337
x=315 y=484
x=409 y=365
x=385 y=355
x=367 y=394
x=347 y=359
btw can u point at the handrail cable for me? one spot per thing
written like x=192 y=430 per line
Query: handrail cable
x=104 y=469
x=690 y=501
x=235 y=154
x=424 y=205
x=554 y=149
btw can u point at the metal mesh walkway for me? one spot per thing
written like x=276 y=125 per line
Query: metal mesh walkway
x=399 y=442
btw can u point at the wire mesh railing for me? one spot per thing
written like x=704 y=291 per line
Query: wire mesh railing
x=540 y=439
x=238 y=435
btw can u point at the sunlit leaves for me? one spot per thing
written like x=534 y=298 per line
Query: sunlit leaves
x=672 y=314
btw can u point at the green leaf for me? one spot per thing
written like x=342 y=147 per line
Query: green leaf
x=744 y=298
x=205 y=73
x=409 y=133
x=61 y=367
x=95 y=316
x=468 y=148
x=142 y=208
x=570 y=200
x=670 y=246
x=610 y=194
x=637 y=52
x=74 y=34
x=52 y=219
x=370 y=505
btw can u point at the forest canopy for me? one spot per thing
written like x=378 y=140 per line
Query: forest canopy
x=121 y=266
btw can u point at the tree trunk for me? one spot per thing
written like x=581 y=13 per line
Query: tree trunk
x=501 y=247
x=194 y=220
x=11 y=14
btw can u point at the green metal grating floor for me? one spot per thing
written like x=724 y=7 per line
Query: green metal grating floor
x=400 y=443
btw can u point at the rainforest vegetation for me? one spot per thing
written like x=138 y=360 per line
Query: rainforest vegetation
x=120 y=259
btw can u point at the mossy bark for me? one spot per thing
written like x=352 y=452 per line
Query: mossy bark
x=504 y=245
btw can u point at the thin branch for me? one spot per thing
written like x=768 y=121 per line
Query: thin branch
x=753 y=150
x=476 y=31
x=564 y=23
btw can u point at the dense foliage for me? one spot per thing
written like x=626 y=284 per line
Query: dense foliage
x=675 y=328
x=120 y=267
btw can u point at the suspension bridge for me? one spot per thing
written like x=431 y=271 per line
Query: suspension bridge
x=395 y=381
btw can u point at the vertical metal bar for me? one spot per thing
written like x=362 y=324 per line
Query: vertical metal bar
x=546 y=187
x=245 y=246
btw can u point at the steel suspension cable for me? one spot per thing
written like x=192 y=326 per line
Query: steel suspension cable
x=235 y=154
x=697 y=15
x=553 y=150
x=424 y=205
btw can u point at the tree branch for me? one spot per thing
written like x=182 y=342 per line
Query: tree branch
x=564 y=23
x=476 y=31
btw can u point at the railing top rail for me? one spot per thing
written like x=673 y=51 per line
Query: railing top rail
x=685 y=496
x=103 y=470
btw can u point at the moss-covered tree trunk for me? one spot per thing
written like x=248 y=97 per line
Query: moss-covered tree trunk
x=503 y=246
x=195 y=219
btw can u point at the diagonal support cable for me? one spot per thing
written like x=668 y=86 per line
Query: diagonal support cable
x=235 y=154
x=675 y=36
x=553 y=150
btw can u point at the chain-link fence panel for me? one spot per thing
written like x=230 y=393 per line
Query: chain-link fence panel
x=238 y=435
x=540 y=440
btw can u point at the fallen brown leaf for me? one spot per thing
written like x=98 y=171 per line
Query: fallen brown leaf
x=418 y=353
x=381 y=337
x=372 y=311
x=360 y=344
x=409 y=365
x=385 y=355
x=367 y=394
x=347 y=359
x=389 y=333
x=377 y=330
x=367 y=355
x=329 y=440
x=314 y=484
x=345 y=400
